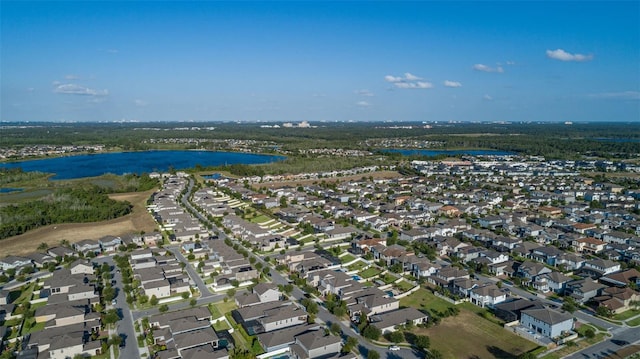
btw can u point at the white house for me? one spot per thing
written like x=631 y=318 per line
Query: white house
x=547 y=322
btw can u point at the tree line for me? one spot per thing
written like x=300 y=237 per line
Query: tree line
x=66 y=205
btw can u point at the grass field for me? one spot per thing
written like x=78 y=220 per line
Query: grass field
x=424 y=299
x=138 y=220
x=468 y=335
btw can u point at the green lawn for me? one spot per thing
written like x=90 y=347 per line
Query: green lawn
x=369 y=272
x=424 y=299
x=356 y=266
x=626 y=314
x=221 y=325
x=634 y=322
x=404 y=286
x=468 y=335
x=388 y=278
x=221 y=308
x=347 y=258
x=260 y=219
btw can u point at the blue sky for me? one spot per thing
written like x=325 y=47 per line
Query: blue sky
x=320 y=61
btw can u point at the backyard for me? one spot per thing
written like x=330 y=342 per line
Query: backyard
x=475 y=330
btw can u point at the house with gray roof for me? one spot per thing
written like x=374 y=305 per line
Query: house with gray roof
x=547 y=322
x=311 y=345
x=388 y=321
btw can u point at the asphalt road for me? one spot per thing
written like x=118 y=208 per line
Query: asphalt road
x=202 y=287
x=125 y=326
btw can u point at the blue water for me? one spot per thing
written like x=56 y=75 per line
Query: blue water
x=213 y=176
x=9 y=190
x=135 y=162
x=432 y=153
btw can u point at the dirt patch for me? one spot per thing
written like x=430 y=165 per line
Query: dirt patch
x=138 y=220
x=470 y=336
x=375 y=175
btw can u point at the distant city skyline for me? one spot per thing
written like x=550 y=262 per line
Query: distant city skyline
x=428 y=61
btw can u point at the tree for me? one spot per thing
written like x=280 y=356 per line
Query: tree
x=349 y=345
x=371 y=332
x=163 y=308
x=396 y=336
x=604 y=311
x=239 y=353
x=154 y=300
x=422 y=342
x=111 y=316
x=372 y=354
x=185 y=295
x=589 y=333
x=193 y=302
x=569 y=305
x=43 y=246
x=231 y=293
x=335 y=328
x=115 y=340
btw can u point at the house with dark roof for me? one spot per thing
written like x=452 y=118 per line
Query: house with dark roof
x=512 y=310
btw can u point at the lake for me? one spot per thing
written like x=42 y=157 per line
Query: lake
x=432 y=153
x=135 y=162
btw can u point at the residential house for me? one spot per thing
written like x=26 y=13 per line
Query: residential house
x=87 y=246
x=388 y=321
x=487 y=295
x=600 y=267
x=584 y=289
x=310 y=345
x=588 y=245
x=547 y=322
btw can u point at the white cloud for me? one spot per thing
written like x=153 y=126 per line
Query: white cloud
x=448 y=83
x=410 y=77
x=364 y=93
x=409 y=81
x=363 y=104
x=73 y=89
x=140 y=103
x=393 y=79
x=72 y=77
x=414 y=85
x=624 y=95
x=487 y=98
x=485 y=68
x=562 y=55
x=511 y=63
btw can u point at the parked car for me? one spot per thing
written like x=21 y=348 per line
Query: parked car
x=394 y=348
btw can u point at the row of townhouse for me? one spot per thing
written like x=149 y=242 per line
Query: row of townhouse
x=381 y=310
x=68 y=318
x=186 y=334
x=159 y=275
x=280 y=325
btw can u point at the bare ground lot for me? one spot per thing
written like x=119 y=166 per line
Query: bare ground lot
x=138 y=220
x=295 y=183
x=467 y=335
